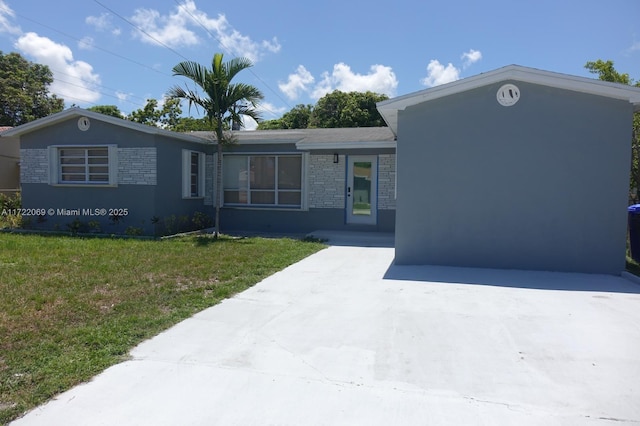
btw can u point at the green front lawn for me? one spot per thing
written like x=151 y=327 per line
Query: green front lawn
x=71 y=307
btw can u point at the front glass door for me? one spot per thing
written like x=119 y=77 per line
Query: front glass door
x=362 y=189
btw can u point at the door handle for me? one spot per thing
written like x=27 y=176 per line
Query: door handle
x=348 y=191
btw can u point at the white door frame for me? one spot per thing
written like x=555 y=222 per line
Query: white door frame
x=352 y=216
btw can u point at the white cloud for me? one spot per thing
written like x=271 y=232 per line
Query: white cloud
x=471 y=57
x=249 y=123
x=268 y=109
x=103 y=23
x=635 y=46
x=177 y=30
x=380 y=79
x=7 y=15
x=122 y=97
x=86 y=43
x=73 y=80
x=439 y=74
x=296 y=83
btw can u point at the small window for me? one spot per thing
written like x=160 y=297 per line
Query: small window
x=193 y=164
x=73 y=165
x=263 y=180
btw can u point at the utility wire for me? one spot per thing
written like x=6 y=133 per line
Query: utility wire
x=142 y=31
x=231 y=53
x=81 y=41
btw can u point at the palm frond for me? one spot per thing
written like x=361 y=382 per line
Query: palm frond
x=235 y=65
x=193 y=71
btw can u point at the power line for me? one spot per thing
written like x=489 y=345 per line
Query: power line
x=232 y=54
x=134 y=61
x=92 y=45
x=142 y=31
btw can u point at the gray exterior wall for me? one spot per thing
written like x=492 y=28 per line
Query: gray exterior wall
x=539 y=185
x=325 y=192
x=149 y=179
x=298 y=221
x=9 y=165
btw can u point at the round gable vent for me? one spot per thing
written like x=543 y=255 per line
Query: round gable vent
x=508 y=95
x=84 y=123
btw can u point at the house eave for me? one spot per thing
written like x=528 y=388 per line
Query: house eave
x=313 y=146
x=79 y=112
x=389 y=108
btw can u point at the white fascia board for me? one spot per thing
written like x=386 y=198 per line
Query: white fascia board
x=314 y=146
x=389 y=108
x=79 y=112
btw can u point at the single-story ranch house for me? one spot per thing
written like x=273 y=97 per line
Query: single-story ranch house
x=514 y=168
x=82 y=165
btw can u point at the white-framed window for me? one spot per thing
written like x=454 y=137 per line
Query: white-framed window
x=193 y=174
x=83 y=165
x=265 y=180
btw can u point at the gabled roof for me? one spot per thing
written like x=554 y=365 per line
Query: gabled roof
x=314 y=139
x=389 y=108
x=79 y=112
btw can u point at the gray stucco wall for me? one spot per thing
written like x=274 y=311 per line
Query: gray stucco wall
x=149 y=179
x=9 y=165
x=539 y=185
x=297 y=221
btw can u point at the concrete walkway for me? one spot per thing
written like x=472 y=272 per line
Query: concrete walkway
x=343 y=338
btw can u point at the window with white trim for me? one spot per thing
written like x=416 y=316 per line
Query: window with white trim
x=263 y=180
x=193 y=174
x=83 y=165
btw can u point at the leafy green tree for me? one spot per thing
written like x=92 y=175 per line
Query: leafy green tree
x=111 y=110
x=166 y=117
x=274 y=124
x=352 y=109
x=606 y=72
x=24 y=91
x=223 y=102
x=336 y=109
x=190 y=124
x=297 y=118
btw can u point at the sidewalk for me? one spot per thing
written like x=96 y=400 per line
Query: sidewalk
x=331 y=341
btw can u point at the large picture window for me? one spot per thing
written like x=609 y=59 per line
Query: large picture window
x=263 y=180
x=91 y=165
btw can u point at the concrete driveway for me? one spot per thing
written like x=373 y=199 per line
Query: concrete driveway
x=344 y=338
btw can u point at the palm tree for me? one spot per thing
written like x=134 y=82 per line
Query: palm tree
x=222 y=101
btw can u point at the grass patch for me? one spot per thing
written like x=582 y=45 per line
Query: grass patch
x=71 y=307
x=632 y=266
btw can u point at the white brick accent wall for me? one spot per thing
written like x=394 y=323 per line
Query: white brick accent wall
x=387 y=182
x=138 y=166
x=326 y=182
x=34 y=166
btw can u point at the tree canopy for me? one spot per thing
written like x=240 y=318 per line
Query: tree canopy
x=111 y=110
x=607 y=72
x=335 y=109
x=24 y=91
x=167 y=116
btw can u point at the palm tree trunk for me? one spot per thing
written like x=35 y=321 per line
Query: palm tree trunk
x=218 y=188
x=218 y=184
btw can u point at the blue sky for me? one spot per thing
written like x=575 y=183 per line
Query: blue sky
x=101 y=54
